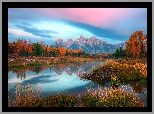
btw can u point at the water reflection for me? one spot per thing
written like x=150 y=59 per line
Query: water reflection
x=64 y=77
x=42 y=74
x=68 y=68
x=21 y=75
x=54 y=78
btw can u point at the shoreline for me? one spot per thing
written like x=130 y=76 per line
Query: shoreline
x=24 y=62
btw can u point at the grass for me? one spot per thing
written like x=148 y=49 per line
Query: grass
x=29 y=96
x=116 y=71
x=112 y=98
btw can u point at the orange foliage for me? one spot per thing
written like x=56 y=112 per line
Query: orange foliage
x=70 y=51
x=77 y=51
x=44 y=47
x=74 y=51
x=62 y=51
x=136 y=45
x=20 y=45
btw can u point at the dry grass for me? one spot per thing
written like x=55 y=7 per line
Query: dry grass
x=111 y=97
x=28 y=96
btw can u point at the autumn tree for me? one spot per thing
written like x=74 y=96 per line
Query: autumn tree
x=70 y=51
x=29 y=49
x=46 y=50
x=136 y=45
x=20 y=48
x=62 y=51
x=25 y=49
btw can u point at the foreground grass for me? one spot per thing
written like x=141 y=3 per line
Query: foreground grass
x=27 y=96
x=112 y=98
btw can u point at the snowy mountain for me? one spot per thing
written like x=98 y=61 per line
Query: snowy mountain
x=91 y=44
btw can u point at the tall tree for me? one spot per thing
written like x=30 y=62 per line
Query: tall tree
x=136 y=46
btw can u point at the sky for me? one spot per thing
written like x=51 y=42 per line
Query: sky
x=113 y=25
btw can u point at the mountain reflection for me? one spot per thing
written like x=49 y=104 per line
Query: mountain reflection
x=77 y=69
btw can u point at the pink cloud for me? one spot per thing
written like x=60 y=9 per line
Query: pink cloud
x=100 y=17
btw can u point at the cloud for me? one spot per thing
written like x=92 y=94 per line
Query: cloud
x=19 y=32
x=69 y=29
x=97 y=31
x=118 y=22
x=111 y=24
x=128 y=27
x=65 y=30
x=14 y=34
x=100 y=17
x=73 y=30
x=22 y=13
x=38 y=32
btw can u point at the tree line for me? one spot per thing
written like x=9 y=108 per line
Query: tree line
x=136 y=47
x=21 y=48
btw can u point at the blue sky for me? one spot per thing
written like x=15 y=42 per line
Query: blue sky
x=113 y=25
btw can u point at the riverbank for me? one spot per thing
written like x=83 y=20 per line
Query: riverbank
x=33 y=61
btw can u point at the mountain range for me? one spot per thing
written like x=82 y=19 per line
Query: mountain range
x=90 y=45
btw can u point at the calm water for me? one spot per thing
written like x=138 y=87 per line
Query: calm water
x=65 y=79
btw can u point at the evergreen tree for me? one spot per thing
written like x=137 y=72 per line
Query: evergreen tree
x=37 y=49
